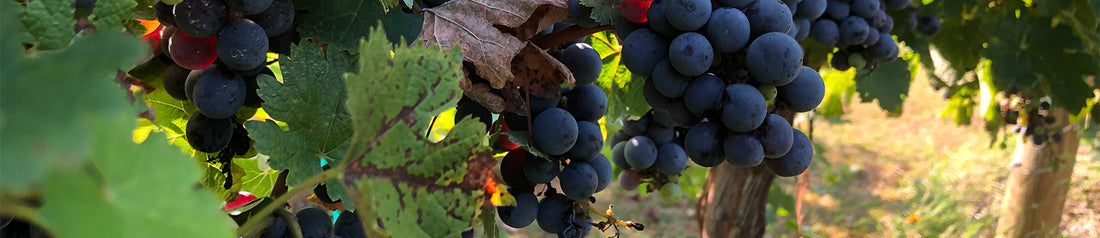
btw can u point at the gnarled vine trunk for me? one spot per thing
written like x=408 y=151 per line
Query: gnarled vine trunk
x=1038 y=180
x=733 y=200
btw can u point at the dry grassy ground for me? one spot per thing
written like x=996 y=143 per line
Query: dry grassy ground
x=918 y=175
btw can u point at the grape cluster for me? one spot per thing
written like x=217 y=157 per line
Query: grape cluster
x=566 y=140
x=317 y=223
x=1035 y=124
x=564 y=144
x=860 y=29
x=216 y=50
x=713 y=70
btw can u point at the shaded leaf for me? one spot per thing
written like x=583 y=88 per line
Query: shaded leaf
x=960 y=42
x=340 y=24
x=889 y=84
x=1029 y=54
x=603 y=11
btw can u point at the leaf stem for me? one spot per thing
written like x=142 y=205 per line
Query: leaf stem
x=566 y=35
x=280 y=201
x=366 y=210
x=610 y=216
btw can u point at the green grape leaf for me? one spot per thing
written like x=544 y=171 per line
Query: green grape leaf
x=170 y=116
x=488 y=220
x=10 y=26
x=816 y=55
x=145 y=11
x=414 y=187
x=1029 y=54
x=603 y=11
x=961 y=44
x=889 y=84
x=310 y=100
x=623 y=90
x=918 y=44
x=960 y=106
x=840 y=87
x=110 y=15
x=521 y=139
x=256 y=180
x=335 y=23
x=130 y=189
x=50 y=22
x=989 y=104
x=387 y=4
x=36 y=124
x=214 y=179
x=948 y=9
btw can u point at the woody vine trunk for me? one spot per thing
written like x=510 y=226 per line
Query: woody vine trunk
x=1038 y=180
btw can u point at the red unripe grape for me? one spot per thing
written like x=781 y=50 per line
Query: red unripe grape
x=503 y=140
x=635 y=10
x=190 y=52
x=242 y=198
x=152 y=39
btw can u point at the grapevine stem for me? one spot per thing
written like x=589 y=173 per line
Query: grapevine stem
x=588 y=207
x=606 y=215
x=279 y=202
x=291 y=222
x=24 y=212
x=566 y=35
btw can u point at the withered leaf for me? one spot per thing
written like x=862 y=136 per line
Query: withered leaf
x=492 y=35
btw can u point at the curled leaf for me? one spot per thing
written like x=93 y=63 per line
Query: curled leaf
x=494 y=38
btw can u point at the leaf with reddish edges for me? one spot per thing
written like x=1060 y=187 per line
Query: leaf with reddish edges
x=411 y=186
x=493 y=37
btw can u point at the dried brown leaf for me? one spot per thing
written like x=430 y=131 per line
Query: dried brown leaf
x=492 y=35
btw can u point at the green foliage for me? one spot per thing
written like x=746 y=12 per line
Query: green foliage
x=623 y=90
x=170 y=116
x=840 y=86
x=310 y=100
x=131 y=190
x=336 y=24
x=889 y=84
x=960 y=106
x=1042 y=49
x=76 y=153
x=413 y=186
x=111 y=14
x=1029 y=54
x=49 y=22
x=144 y=10
x=39 y=131
x=256 y=180
x=960 y=42
x=603 y=11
